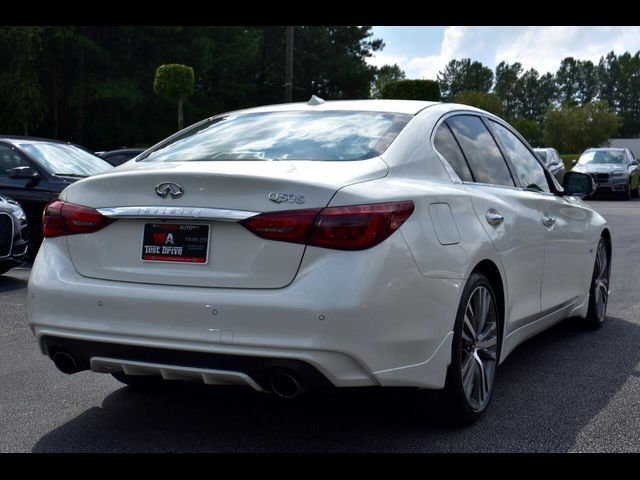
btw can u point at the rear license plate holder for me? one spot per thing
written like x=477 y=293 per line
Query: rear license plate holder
x=175 y=243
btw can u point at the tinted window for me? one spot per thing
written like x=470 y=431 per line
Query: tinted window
x=480 y=150
x=449 y=149
x=116 y=159
x=528 y=169
x=306 y=135
x=543 y=155
x=10 y=159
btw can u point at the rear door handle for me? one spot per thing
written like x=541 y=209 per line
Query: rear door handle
x=548 y=221
x=494 y=218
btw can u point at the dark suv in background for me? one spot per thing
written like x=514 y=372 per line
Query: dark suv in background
x=33 y=171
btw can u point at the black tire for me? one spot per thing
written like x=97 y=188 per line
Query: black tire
x=458 y=406
x=4 y=270
x=635 y=193
x=142 y=382
x=599 y=289
x=627 y=195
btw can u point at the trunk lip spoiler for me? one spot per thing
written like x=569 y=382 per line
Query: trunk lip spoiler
x=194 y=213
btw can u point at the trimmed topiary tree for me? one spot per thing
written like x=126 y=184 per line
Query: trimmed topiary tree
x=412 y=90
x=175 y=82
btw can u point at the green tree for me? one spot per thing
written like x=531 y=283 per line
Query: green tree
x=20 y=88
x=507 y=77
x=572 y=129
x=461 y=75
x=384 y=75
x=531 y=130
x=175 y=82
x=92 y=83
x=412 y=90
x=576 y=81
x=486 y=101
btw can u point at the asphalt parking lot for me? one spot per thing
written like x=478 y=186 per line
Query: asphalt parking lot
x=567 y=390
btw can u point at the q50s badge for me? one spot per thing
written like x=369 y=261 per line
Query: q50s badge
x=286 y=197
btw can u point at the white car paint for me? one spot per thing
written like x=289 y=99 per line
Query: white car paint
x=381 y=316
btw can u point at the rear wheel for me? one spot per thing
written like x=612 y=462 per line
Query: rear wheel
x=475 y=349
x=599 y=291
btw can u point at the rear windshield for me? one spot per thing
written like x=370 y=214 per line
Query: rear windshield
x=542 y=154
x=333 y=136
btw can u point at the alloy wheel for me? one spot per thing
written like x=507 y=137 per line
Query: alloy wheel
x=601 y=282
x=479 y=348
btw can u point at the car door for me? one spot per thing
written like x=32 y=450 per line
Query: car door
x=564 y=221
x=31 y=194
x=509 y=215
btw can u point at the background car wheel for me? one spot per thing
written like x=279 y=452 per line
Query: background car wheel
x=475 y=352
x=636 y=191
x=627 y=194
x=599 y=291
x=139 y=381
x=4 y=270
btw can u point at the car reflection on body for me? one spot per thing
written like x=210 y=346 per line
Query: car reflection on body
x=342 y=243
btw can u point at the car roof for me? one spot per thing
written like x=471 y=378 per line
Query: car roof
x=17 y=139
x=411 y=107
x=618 y=149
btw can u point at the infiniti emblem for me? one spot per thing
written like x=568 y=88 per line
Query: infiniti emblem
x=175 y=189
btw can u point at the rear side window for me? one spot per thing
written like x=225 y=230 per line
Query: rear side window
x=480 y=150
x=449 y=149
x=296 y=135
x=529 y=170
x=543 y=155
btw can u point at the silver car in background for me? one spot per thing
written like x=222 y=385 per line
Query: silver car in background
x=552 y=160
x=615 y=170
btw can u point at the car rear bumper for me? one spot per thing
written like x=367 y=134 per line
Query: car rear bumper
x=361 y=328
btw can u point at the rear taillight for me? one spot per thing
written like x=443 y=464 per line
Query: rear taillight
x=355 y=227
x=62 y=218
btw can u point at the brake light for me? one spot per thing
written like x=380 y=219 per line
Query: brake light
x=355 y=227
x=62 y=218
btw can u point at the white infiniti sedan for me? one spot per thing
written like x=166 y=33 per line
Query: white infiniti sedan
x=340 y=243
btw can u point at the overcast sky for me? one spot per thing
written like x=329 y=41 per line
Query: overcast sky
x=423 y=51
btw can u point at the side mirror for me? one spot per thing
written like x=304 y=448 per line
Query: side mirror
x=578 y=184
x=574 y=161
x=27 y=173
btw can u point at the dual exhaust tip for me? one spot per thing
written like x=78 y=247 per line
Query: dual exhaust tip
x=283 y=383
x=65 y=362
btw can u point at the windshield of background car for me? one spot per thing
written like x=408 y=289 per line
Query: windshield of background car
x=61 y=159
x=332 y=136
x=602 y=157
x=543 y=155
